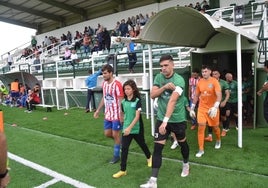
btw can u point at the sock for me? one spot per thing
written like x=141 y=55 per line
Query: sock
x=184 y=151
x=117 y=150
x=217 y=132
x=209 y=131
x=201 y=136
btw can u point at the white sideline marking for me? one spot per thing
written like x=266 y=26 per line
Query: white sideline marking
x=47 y=184
x=49 y=172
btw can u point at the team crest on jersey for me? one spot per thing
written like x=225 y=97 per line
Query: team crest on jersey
x=210 y=85
x=156 y=135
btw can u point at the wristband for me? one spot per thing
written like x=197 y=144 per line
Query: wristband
x=4 y=174
x=165 y=120
x=217 y=104
x=192 y=106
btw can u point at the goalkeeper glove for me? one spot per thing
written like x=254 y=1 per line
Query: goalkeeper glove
x=212 y=112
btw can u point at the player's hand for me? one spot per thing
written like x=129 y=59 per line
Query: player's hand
x=127 y=131
x=96 y=114
x=192 y=114
x=162 y=128
x=212 y=112
x=170 y=86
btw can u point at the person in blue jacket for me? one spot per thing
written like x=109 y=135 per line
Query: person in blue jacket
x=91 y=83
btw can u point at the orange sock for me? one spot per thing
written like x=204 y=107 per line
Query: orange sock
x=201 y=136
x=217 y=132
x=1 y=122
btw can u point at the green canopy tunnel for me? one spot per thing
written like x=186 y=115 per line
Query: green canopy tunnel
x=184 y=26
x=23 y=77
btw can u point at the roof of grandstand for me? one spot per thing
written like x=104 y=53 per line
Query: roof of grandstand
x=46 y=15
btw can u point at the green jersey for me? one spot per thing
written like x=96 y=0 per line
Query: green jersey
x=224 y=87
x=129 y=107
x=179 y=113
x=233 y=92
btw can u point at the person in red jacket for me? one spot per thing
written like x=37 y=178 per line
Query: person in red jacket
x=33 y=98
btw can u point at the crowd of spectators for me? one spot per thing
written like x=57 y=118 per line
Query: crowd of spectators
x=203 y=6
x=90 y=40
x=94 y=39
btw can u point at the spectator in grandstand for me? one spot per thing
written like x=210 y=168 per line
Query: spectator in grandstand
x=133 y=127
x=33 y=42
x=90 y=31
x=171 y=116
x=205 y=6
x=95 y=47
x=67 y=53
x=233 y=99
x=86 y=43
x=123 y=28
x=264 y=89
x=208 y=92
x=142 y=19
x=37 y=62
x=78 y=40
x=106 y=40
x=132 y=57
x=4 y=176
x=9 y=59
x=91 y=83
x=116 y=29
x=129 y=22
x=224 y=107
x=3 y=93
x=69 y=38
x=193 y=80
x=100 y=38
x=74 y=57
x=111 y=100
x=47 y=43
x=63 y=38
x=197 y=6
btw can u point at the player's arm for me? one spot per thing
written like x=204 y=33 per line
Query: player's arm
x=170 y=108
x=157 y=91
x=101 y=104
x=227 y=96
x=263 y=88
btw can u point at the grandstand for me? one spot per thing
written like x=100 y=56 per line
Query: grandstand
x=192 y=40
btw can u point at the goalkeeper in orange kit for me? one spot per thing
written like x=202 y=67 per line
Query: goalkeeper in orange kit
x=208 y=92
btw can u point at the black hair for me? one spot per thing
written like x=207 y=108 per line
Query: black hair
x=133 y=85
x=107 y=67
x=206 y=67
x=166 y=57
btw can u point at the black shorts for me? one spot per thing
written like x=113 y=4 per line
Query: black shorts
x=224 y=109
x=233 y=108
x=177 y=128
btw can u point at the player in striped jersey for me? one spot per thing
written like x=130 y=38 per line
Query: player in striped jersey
x=111 y=100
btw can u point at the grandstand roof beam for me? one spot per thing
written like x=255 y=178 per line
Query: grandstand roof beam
x=69 y=8
x=20 y=23
x=34 y=12
x=121 y=4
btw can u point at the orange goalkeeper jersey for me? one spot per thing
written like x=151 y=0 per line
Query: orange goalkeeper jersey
x=206 y=89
